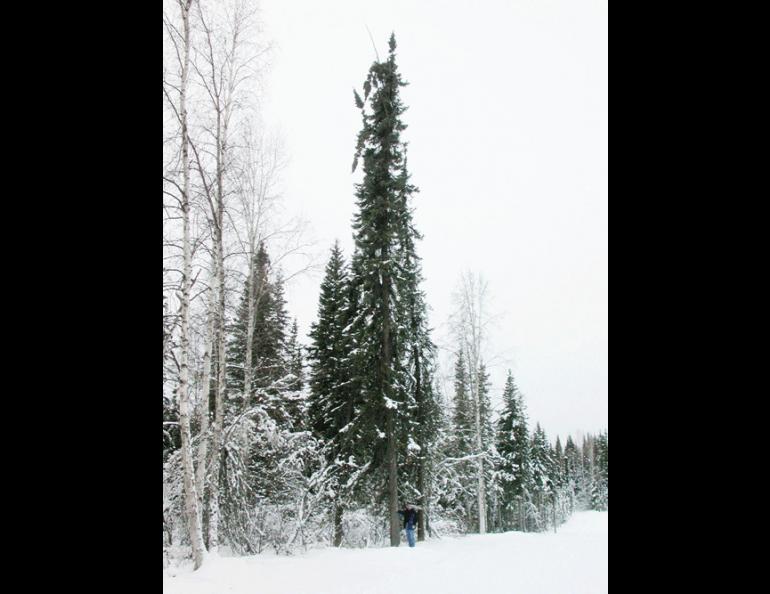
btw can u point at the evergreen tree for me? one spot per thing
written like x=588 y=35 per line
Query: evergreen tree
x=572 y=471
x=272 y=360
x=328 y=412
x=514 y=451
x=277 y=357
x=333 y=400
x=262 y=425
x=294 y=352
x=587 y=475
x=262 y=347
x=461 y=444
x=542 y=466
x=487 y=455
x=462 y=414
x=599 y=498
x=485 y=410
x=601 y=454
x=382 y=284
x=558 y=458
x=540 y=459
x=286 y=389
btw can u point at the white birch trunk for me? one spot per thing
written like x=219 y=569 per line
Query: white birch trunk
x=191 y=499
x=221 y=75
x=203 y=408
x=219 y=400
x=219 y=413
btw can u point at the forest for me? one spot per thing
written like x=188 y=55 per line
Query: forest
x=274 y=440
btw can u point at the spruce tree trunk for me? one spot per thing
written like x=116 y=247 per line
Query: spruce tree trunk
x=395 y=527
x=337 y=524
x=191 y=498
x=391 y=455
x=421 y=462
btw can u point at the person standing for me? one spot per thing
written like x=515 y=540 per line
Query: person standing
x=409 y=516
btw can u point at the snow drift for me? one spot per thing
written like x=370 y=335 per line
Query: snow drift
x=572 y=561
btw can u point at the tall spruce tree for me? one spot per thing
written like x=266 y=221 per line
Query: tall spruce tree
x=379 y=274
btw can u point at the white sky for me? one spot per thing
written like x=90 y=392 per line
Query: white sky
x=508 y=143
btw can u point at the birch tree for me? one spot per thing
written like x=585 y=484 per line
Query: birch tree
x=257 y=198
x=262 y=224
x=470 y=325
x=222 y=66
x=181 y=43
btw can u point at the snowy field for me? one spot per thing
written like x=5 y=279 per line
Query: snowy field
x=573 y=561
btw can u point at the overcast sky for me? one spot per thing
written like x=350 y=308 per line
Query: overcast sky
x=508 y=144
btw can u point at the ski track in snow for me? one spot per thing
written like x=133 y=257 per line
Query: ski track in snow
x=572 y=561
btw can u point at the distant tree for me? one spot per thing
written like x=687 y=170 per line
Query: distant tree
x=514 y=450
x=542 y=467
x=461 y=448
x=470 y=321
x=558 y=458
x=599 y=498
x=573 y=471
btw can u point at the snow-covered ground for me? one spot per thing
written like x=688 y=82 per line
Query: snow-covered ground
x=572 y=561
